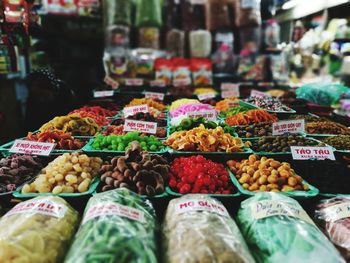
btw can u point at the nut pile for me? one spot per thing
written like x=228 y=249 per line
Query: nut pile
x=16 y=170
x=339 y=142
x=255 y=130
x=266 y=175
x=137 y=170
x=326 y=127
x=268 y=103
x=68 y=173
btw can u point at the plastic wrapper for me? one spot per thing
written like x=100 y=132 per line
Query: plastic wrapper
x=173 y=14
x=148 y=13
x=277 y=229
x=333 y=216
x=279 y=68
x=218 y=14
x=149 y=37
x=200 y=43
x=38 y=230
x=117 y=12
x=250 y=38
x=144 y=59
x=252 y=69
x=198 y=228
x=272 y=33
x=324 y=94
x=247 y=13
x=117 y=36
x=202 y=72
x=163 y=68
x=192 y=15
x=175 y=43
x=118 y=226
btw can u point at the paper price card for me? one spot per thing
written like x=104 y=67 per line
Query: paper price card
x=154 y=96
x=312 y=152
x=130 y=111
x=229 y=90
x=200 y=205
x=209 y=115
x=205 y=96
x=292 y=126
x=336 y=212
x=259 y=94
x=103 y=93
x=133 y=82
x=111 y=82
x=140 y=126
x=31 y=147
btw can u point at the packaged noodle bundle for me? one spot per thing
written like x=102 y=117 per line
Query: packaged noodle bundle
x=198 y=228
x=333 y=215
x=38 y=230
x=277 y=229
x=118 y=226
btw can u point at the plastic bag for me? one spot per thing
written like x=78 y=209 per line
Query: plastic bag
x=198 y=228
x=38 y=230
x=175 y=43
x=117 y=12
x=333 y=215
x=118 y=226
x=149 y=37
x=247 y=13
x=148 y=13
x=218 y=15
x=277 y=229
x=324 y=94
x=200 y=43
x=192 y=15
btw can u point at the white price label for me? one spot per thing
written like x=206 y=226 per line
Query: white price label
x=154 y=96
x=336 y=212
x=157 y=83
x=259 y=94
x=181 y=82
x=229 y=90
x=140 y=126
x=133 y=82
x=131 y=111
x=205 y=96
x=103 y=93
x=312 y=152
x=32 y=147
x=292 y=126
x=191 y=205
x=111 y=82
x=209 y=115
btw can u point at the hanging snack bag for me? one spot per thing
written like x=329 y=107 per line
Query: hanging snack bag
x=181 y=71
x=117 y=12
x=202 y=72
x=175 y=43
x=149 y=37
x=163 y=68
x=200 y=43
x=218 y=15
x=38 y=230
x=192 y=14
x=247 y=13
x=148 y=13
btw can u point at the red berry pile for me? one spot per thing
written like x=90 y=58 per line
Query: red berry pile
x=197 y=174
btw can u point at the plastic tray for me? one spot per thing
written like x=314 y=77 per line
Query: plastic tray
x=297 y=194
x=162 y=195
x=172 y=193
x=291 y=111
x=95 y=182
x=245 y=151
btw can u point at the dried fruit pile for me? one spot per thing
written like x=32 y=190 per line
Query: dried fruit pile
x=250 y=117
x=63 y=140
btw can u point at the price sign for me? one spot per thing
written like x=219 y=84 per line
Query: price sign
x=260 y=94
x=130 y=111
x=229 y=90
x=31 y=147
x=206 y=96
x=312 y=152
x=133 y=82
x=292 y=126
x=140 y=126
x=232 y=104
x=111 y=82
x=103 y=93
x=209 y=115
x=157 y=83
x=181 y=82
x=154 y=96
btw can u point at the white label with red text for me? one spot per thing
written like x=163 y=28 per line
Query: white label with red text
x=292 y=126
x=267 y=208
x=157 y=83
x=191 y=205
x=229 y=93
x=154 y=96
x=205 y=96
x=32 y=147
x=131 y=111
x=336 y=212
x=312 y=152
x=40 y=206
x=229 y=90
x=133 y=82
x=112 y=209
x=103 y=93
x=209 y=115
x=111 y=82
x=140 y=126
x=232 y=104
x=259 y=94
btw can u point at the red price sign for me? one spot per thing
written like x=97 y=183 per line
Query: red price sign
x=154 y=96
x=292 y=126
x=130 y=111
x=133 y=82
x=309 y=152
x=140 y=126
x=31 y=147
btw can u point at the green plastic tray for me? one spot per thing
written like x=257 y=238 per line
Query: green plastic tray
x=172 y=193
x=270 y=111
x=89 y=149
x=245 y=151
x=95 y=182
x=334 y=195
x=297 y=194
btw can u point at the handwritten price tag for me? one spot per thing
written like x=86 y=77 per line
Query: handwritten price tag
x=292 y=126
x=206 y=96
x=260 y=94
x=140 y=126
x=154 y=96
x=103 y=93
x=130 y=111
x=157 y=83
x=306 y=153
x=200 y=205
x=209 y=115
x=31 y=147
x=133 y=82
x=111 y=82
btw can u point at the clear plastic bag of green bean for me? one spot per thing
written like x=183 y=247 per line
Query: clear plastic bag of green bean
x=118 y=226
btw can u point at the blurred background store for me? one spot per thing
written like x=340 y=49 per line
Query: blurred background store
x=55 y=54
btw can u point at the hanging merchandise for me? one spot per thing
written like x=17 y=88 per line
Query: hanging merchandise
x=218 y=15
x=333 y=215
x=279 y=67
x=61 y=7
x=164 y=70
x=224 y=58
x=89 y=8
x=117 y=36
x=200 y=43
x=175 y=43
x=144 y=60
x=198 y=228
x=14 y=11
x=192 y=14
x=148 y=13
x=181 y=71
x=250 y=39
x=247 y=13
x=117 y=12
x=118 y=226
x=272 y=33
x=277 y=229
x=118 y=65
x=149 y=37
x=5 y=60
x=298 y=31
x=251 y=68
x=202 y=71
x=173 y=14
